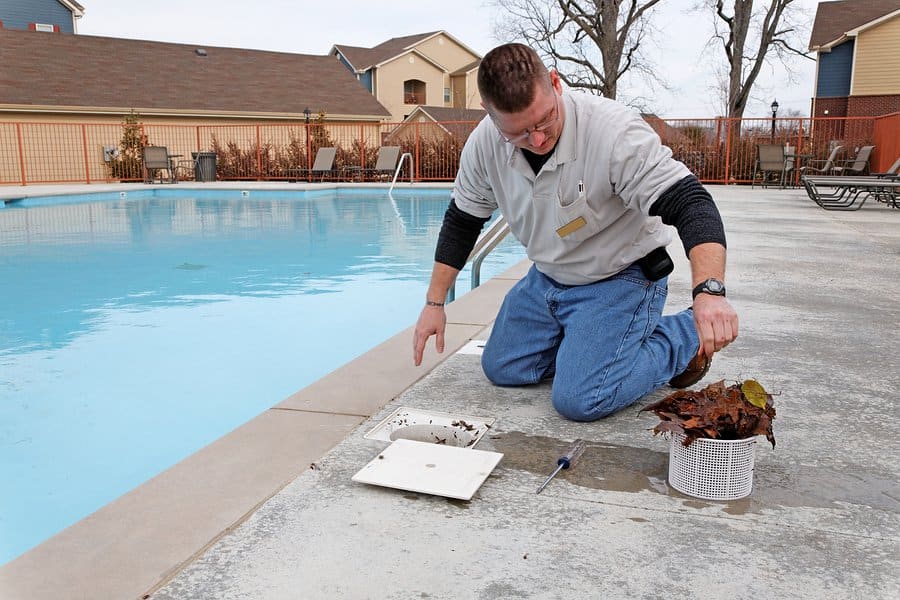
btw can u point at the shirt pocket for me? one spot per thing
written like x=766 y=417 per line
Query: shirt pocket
x=574 y=219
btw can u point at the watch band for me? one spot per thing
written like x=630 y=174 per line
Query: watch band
x=711 y=286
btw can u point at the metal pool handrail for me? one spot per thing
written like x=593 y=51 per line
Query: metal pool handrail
x=483 y=247
x=400 y=166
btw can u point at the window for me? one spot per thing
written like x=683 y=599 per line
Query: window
x=446 y=95
x=413 y=91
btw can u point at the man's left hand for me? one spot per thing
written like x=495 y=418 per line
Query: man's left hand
x=716 y=322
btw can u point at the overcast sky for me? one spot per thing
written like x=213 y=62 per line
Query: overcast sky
x=308 y=27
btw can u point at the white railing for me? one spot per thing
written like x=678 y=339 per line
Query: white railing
x=399 y=167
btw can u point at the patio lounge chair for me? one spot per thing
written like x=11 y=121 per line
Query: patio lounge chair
x=384 y=165
x=770 y=164
x=855 y=166
x=157 y=160
x=323 y=165
x=843 y=193
x=827 y=167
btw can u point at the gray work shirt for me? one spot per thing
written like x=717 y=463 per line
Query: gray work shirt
x=585 y=216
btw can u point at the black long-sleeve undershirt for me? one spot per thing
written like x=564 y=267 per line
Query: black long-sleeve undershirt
x=458 y=235
x=689 y=207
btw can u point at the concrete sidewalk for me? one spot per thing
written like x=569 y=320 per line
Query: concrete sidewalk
x=817 y=293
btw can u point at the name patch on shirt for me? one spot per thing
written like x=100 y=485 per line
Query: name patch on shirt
x=571 y=227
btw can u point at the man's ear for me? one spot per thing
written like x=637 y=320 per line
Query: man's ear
x=555 y=80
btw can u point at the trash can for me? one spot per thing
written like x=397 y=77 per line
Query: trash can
x=204 y=166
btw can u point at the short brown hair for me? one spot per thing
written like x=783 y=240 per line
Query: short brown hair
x=508 y=76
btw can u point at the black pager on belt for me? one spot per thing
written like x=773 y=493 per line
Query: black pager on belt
x=657 y=264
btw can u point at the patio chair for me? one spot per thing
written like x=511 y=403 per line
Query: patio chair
x=790 y=163
x=770 y=164
x=827 y=167
x=187 y=168
x=384 y=165
x=157 y=160
x=322 y=165
x=855 y=166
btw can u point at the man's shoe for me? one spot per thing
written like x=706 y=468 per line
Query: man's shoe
x=695 y=371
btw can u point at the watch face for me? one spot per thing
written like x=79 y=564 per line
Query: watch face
x=715 y=286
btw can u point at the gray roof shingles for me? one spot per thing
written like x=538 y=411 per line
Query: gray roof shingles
x=51 y=69
x=363 y=58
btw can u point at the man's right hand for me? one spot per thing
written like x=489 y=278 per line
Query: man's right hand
x=432 y=321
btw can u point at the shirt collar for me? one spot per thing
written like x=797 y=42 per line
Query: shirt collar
x=565 y=145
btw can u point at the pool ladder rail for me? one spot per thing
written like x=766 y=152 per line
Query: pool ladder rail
x=405 y=155
x=489 y=240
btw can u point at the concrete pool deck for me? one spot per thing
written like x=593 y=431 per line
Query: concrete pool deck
x=269 y=510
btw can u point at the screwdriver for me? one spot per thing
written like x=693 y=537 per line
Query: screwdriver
x=566 y=460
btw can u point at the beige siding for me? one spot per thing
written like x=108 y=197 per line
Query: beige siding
x=408 y=66
x=465 y=91
x=473 y=97
x=458 y=92
x=446 y=53
x=877 y=66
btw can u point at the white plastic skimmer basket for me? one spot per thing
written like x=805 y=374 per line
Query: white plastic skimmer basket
x=711 y=469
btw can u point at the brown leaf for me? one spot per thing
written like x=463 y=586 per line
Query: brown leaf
x=717 y=411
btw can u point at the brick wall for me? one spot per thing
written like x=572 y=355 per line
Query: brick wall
x=857 y=106
x=872 y=106
x=831 y=107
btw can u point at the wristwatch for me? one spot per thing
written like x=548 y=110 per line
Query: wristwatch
x=711 y=286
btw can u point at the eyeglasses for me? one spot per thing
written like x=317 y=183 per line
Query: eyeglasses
x=549 y=121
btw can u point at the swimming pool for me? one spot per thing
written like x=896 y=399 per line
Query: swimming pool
x=134 y=331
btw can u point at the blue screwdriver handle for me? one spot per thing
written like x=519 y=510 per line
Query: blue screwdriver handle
x=572 y=454
x=566 y=460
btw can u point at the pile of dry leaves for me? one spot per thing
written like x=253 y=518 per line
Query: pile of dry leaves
x=717 y=411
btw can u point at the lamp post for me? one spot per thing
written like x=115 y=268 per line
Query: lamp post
x=306 y=113
x=774 y=112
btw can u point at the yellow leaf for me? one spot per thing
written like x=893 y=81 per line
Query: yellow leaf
x=754 y=393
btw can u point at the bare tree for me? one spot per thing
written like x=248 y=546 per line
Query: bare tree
x=591 y=43
x=749 y=37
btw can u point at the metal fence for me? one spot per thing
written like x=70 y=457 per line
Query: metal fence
x=718 y=150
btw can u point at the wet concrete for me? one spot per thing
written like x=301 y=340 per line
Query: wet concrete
x=608 y=467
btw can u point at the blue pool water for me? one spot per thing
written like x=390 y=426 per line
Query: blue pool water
x=135 y=331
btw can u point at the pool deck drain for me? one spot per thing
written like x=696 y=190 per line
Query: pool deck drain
x=817 y=296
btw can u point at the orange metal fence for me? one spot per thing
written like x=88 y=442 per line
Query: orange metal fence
x=717 y=150
x=887 y=142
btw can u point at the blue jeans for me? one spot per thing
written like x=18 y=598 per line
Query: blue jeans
x=606 y=344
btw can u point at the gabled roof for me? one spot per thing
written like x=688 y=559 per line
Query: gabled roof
x=74 y=72
x=834 y=19
x=356 y=55
x=452 y=121
x=441 y=113
x=363 y=59
x=468 y=68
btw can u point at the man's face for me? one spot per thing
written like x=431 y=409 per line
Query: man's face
x=538 y=127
